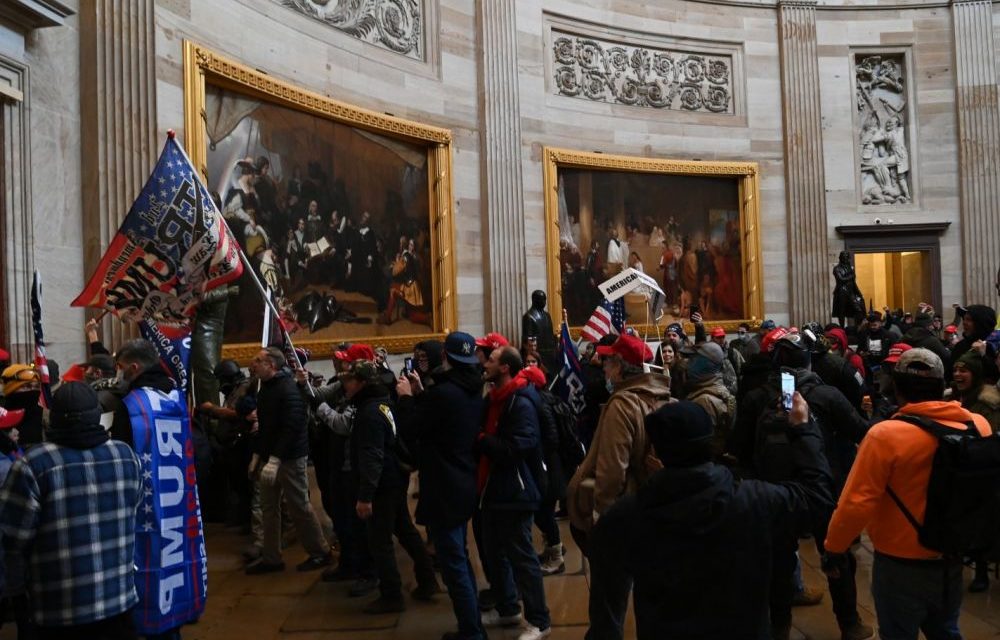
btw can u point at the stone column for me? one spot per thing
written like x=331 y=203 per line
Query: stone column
x=809 y=280
x=118 y=115
x=502 y=182
x=979 y=146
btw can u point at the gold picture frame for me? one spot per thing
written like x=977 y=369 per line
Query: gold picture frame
x=745 y=173
x=204 y=67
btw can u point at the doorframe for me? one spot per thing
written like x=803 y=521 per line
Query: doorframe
x=894 y=238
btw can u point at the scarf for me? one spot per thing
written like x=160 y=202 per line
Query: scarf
x=498 y=400
x=78 y=436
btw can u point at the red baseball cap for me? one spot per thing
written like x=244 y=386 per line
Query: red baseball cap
x=767 y=342
x=718 y=332
x=632 y=350
x=10 y=418
x=895 y=351
x=356 y=352
x=492 y=340
x=951 y=329
x=4 y=355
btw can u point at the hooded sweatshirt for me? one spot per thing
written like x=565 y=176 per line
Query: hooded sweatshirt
x=839 y=336
x=984 y=320
x=899 y=455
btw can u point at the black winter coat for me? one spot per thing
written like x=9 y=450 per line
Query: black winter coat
x=283 y=419
x=445 y=421
x=549 y=432
x=920 y=338
x=517 y=479
x=154 y=377
x=693 y=531
x=373 y=438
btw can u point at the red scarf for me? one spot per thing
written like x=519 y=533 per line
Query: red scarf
x=498 y=399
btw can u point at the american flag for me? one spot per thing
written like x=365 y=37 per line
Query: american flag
x=41 y=362
x=570 y=384
x=608 y=317
x=172 y=247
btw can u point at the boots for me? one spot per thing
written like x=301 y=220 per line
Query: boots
x=552 y=560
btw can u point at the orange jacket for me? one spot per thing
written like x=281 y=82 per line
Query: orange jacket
x=896 y=454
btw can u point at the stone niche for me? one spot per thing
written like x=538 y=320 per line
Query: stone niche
x=883 y=129
x=601 y=70
x=396 y=25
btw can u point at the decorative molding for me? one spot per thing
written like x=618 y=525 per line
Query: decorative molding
x=588 y=160
x=883 y=129
x=892 y=229
x=805 y=189
x=396 y=25
x=643 y=76
x=976 y=98
x=34 y=14
x=244 y=353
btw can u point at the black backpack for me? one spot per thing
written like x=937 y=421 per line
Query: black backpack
x=571 y=451
x=772 y=454
x=963 y=495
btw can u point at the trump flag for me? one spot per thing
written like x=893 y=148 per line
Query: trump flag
x=172 y=247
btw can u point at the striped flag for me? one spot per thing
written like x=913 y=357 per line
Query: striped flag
x=569 y=385
x=41 y=362
x=608 y=317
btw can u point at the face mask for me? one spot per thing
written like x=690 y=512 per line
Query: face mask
x=610 y=386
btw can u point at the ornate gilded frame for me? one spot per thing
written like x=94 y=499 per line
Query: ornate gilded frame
x=203 y=66
x=747 y=173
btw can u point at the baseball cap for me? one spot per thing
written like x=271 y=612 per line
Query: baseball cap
x=460 y=347
x=4 y=355
x=951 y=329
x=492 y=340
x=356 y=352
x=718 y=332
x=711 y=351
x=10 y=418
x=767 y=342
x=895 y=351
x=768 y=325
x=362 y=370
x=922 y=363
x=631 y=349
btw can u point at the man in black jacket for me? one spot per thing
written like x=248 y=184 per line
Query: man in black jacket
x=695 y=529
x=919 y=335
x=382 y=481
x=444 y=422
x=283 y=442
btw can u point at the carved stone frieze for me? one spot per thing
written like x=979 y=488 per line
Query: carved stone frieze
x=396 y=25
x=883 y=140
x=642 y=76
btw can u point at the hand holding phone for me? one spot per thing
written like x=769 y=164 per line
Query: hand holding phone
x=787 y=390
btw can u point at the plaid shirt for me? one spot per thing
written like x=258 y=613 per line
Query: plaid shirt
x=71 y=513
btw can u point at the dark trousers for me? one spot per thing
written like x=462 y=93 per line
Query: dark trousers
x=119 y=627
x=456 y=571
x=514 y=563
x=391 y=515
x=610 y=586
x=783 y=563
x=913 y=596
x=477 y=535
x=355 y=558
x=843 y=589
x=545 y=520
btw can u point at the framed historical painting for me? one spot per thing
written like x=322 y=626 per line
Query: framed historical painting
x=344 y=213
x=692 y=226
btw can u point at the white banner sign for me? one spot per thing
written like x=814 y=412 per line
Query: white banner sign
x=626 y=281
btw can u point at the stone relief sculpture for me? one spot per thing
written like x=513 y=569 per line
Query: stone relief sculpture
x=882 y=109
x=642 y=76
x=396 y=25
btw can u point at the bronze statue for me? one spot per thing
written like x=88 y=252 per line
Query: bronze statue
x=848 y=300
x=537 y=323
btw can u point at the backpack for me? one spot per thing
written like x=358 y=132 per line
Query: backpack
x=571 y=451
x=963 y=494
x=772 y=454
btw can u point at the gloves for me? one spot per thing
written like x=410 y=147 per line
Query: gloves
x=269 y=473
x=834 y=564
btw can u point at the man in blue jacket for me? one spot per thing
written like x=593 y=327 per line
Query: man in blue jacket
x=510 y=480
x=444 y=421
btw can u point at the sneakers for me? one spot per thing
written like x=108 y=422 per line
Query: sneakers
x=492 y=618
x=857 y=631
x=316 y=562
x=534 y=633
x=261 y=567
x=808 y=597
x=362 y=587
x=426 y=592
x=385 y=605
x=552 y=561
x=486 y=600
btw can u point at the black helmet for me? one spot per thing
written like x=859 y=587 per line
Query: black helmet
x=228 y=370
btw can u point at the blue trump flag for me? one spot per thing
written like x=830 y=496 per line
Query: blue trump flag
x=174 y=345
x=570 y=385
x=170 y=558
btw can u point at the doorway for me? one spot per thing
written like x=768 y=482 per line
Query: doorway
x=895 y=279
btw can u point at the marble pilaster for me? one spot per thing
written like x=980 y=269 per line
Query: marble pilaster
x=118 y=114
x=979 y=145
x=502 y=185
x=804 y=185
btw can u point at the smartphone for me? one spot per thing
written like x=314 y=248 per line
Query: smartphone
x=693 y=309
x=787 y=390
x=408 y=365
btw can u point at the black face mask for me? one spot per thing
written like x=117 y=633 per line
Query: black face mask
x=26 y=400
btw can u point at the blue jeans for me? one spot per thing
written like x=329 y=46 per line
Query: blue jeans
x=913 y=596
x=456 y=571
x=514 y=564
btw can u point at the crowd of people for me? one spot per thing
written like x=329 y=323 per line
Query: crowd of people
x=688 y=483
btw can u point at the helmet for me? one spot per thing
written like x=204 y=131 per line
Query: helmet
x=228 y=370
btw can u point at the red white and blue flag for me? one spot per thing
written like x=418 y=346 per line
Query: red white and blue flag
x=41 y=361
x=608 y=318
x=172 y=247
x=569 y=385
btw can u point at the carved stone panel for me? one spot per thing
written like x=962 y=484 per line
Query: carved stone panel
x=396 y=25
x=642 y=76
x=883 y=130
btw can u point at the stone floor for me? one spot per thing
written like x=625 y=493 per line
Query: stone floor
x=299 y=606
